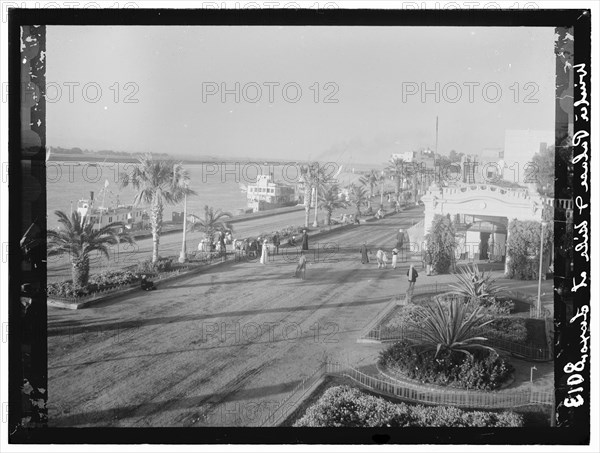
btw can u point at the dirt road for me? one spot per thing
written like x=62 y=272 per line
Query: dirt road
x=222 y=347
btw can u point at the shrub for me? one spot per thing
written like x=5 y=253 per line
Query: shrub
x=482 y=370
x=113 y=278
x=523 y=249
x=98 y=282
x=511 y=329
x=344 y=406
x=440 y=244
x=66 y=289
x=148 y=267
x=403 y=317
x=497 y=305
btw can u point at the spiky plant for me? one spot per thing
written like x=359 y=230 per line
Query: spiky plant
x=77 y=238
x=476 y=286
x=454 y=328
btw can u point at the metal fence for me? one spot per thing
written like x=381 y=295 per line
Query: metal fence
x=436 y=396
x=405 y=391
x=292 y=400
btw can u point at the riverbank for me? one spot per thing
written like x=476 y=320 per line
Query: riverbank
x=176 y=228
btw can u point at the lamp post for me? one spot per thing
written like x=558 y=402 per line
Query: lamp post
x=183 y=254
x=539 y=296
x=531 y=374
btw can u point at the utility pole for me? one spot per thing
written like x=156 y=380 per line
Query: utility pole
x=436 y=134
x=539 y=296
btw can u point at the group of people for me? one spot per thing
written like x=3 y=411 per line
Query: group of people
x=217 y=245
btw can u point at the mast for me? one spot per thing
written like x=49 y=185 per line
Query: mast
x=436 y=134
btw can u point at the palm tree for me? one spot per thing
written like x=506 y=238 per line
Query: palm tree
x=397 y=170
x=77 y=238
x=212 y=223
x=370 y=181
x=309 y=177
x=452 y=328
x=158 y=182
x=330 y=201
x=357 y=196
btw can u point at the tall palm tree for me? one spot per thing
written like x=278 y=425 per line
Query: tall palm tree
x=370 y=180
x=397 y=170
x=330 y=201
x=213 y=222
x=358 y=196
x=158 y=182
x=309 y=178
x=76 y=237
x=453 y=328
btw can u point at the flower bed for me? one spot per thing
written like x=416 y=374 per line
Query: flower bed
x=112 y=280
x=509 y=329
x=97 y=283
x=483 y=370
x=345 y=406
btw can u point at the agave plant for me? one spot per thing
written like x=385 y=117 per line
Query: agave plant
x=476 y=286
x=454 y=328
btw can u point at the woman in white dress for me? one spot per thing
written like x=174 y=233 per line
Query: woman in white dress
x=394 y=257
x=265 y=253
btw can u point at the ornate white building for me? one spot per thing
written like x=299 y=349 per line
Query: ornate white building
x=482 y=213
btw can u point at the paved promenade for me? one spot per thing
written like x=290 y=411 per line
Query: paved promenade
x=222 y=347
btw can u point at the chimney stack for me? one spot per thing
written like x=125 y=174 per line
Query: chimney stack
x=91 y=195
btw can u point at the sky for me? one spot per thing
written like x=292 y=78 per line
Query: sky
x=156 y=89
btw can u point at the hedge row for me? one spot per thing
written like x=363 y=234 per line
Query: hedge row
x=345 y=406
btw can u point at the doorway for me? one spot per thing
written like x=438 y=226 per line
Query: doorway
x=483 y=245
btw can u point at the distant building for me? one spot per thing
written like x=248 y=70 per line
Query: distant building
x=519 y=149
x=425 y=158
x=485 y=167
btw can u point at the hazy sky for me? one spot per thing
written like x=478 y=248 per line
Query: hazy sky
x=371 y=68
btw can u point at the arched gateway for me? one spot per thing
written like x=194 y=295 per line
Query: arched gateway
x=481 y=213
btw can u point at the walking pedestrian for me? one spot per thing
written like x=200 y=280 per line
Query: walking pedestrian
x=412 y=279
x=364 y=251
x=276 y=243
x=381 y=259
x=394 y=257
x=264 y=256
x=301 y=267
x=304 y=240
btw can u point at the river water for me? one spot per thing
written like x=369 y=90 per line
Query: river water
x=216 y=185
